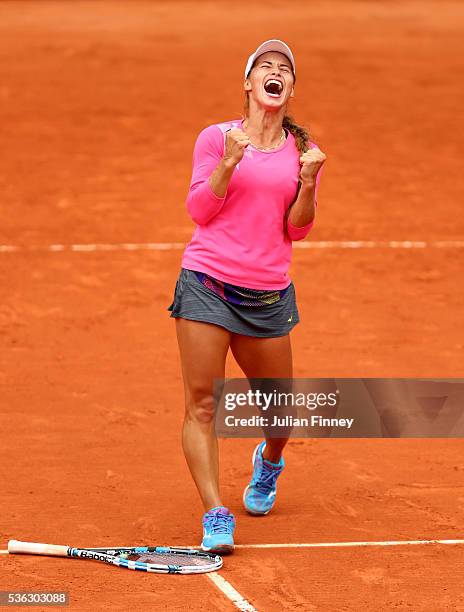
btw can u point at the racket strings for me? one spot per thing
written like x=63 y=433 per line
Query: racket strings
x=179 y=559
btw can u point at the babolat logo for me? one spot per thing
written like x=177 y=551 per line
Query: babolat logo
x=94 y=555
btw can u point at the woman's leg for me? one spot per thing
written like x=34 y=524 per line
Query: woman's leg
x=265 y=358
x=203 y=350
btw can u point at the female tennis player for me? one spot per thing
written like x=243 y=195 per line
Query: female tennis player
x=253 y=191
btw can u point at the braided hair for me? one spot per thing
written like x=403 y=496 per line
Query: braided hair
x=300 y=133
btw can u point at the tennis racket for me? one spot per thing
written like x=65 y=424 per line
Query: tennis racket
x=157 y=559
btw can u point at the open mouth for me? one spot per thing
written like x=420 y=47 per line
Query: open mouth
x=273 y=88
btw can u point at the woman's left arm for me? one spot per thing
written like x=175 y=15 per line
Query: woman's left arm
x=301 y=214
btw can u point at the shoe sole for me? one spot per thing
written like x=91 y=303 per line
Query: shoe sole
x=253 y=512
x=222 y=549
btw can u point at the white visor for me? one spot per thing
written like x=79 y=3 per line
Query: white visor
x=270 y=45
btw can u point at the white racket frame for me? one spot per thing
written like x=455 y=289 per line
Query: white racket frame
x=55 y=550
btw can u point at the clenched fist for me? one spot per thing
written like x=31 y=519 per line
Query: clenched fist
x=311 y=161
x=236 y=141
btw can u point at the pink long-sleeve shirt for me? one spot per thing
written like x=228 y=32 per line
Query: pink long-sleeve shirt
x=243 y=238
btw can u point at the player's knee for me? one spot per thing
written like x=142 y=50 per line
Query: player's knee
x=201 y=408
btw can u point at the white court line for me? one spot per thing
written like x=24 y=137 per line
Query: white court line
x=243 y=604
x=340 y=544
x=347 y=544
x=123 y=246
x=176 y=246
x=239 y=602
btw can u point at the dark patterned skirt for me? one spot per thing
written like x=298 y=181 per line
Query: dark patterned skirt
x=249 y=312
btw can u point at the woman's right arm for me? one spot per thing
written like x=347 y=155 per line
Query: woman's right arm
x=219 y=180
x=213 y=166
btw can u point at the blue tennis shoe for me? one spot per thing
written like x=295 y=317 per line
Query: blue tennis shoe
x=218 y=531
x=259 y=495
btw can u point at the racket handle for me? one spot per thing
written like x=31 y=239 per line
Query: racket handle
x=34 y=548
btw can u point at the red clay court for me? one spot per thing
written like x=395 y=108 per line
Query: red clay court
x=101 y=103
